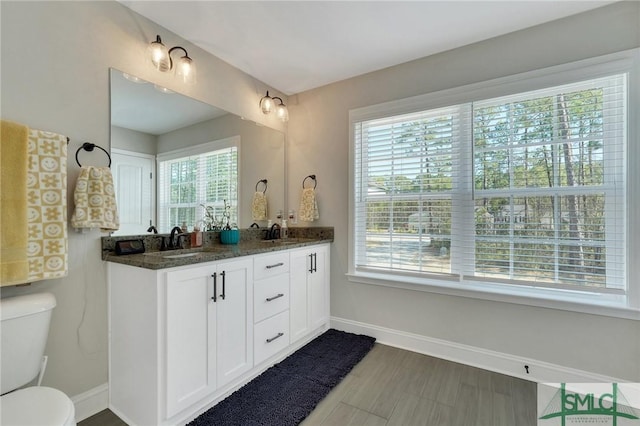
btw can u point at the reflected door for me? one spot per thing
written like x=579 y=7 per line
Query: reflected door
x=133 y=178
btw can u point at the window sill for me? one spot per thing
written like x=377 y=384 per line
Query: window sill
x=594 y=304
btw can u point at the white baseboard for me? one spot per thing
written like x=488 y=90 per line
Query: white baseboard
x=91 y=402
x=511 y=365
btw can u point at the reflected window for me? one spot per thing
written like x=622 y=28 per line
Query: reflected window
x=195 y=184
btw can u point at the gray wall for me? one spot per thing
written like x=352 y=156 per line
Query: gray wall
x=319 y=143
x=132 y=140
x=55 y=76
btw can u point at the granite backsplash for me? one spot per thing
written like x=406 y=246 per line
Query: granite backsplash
x=152 y=242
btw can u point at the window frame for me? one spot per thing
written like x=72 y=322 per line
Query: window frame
x=623 y=306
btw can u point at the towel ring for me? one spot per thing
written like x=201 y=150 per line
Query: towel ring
x=87 y=146
x=315 y=182
x=265 y=185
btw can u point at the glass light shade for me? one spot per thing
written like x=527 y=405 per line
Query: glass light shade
x=266 y=104
x=133 y=78
x=282 y=112
x=159 y=55
x=163 y=89
x=186 y=70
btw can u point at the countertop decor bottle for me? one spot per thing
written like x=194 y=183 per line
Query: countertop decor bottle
x=196 y=237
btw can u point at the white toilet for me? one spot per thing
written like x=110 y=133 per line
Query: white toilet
x=23 y=330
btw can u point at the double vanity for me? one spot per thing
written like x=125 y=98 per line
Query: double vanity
x=188 y=327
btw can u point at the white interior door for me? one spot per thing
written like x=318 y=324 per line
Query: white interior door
x=134 y=181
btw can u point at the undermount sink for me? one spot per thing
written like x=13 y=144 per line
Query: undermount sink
x=287 y=241
x=178 y=256
x=169 y=255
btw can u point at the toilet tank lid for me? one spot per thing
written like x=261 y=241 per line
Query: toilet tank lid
x=19 y=306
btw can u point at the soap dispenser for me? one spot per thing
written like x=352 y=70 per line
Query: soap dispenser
x=196 y=237
x=284 y=231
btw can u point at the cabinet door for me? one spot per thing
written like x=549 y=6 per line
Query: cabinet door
x=309 y=290
x=190 y=339
x=298 y=294
x=318 y=287
x=234 y=318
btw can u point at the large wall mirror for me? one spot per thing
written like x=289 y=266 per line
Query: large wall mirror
x=150 y=124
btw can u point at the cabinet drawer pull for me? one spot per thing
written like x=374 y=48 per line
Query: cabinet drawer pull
x=277 y=296
x=224 y=274
x=275 y=265
x=275 y=337
x=312 y=268
x=215 y=287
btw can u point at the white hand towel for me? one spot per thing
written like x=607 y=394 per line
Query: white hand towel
x=259 y=206
x=95 y=201
x=309 y=206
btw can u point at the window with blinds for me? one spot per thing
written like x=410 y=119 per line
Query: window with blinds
x=408 y=174
x=194 y=185
x=527 y=189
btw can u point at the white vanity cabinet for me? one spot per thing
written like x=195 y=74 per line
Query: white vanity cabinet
x=309 y=288
x=209 y=330
x=182 y=338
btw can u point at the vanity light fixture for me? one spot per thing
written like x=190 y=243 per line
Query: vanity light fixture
x=160 y=57
x=267 y=104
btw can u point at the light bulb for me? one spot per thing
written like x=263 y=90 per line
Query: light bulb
x=159 y=55
x=282 y=112
x=266 y=104
x=186 y=70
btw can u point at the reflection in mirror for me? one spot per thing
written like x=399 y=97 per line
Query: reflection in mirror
x=151 y=127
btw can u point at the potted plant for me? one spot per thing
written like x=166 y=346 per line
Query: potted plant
x=229 y=234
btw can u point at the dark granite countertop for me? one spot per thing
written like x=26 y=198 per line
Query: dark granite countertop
x=212 y=250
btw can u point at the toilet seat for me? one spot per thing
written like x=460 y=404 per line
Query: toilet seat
x=37 y=406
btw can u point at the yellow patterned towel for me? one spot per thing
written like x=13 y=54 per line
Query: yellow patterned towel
x=34 y=205
x=95 y=201
x=14 y=266
x=309 y=206
x=47 y=205
x=259 y=206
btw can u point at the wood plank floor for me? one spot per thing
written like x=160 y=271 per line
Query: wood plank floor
x=395 y=387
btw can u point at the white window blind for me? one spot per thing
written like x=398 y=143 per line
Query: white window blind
x=549 y=186
x=407 y=172
x=190 y=181
x=527 y=189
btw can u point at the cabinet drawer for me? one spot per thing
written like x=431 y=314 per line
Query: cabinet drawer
x=268 y=265
x=270 y=296
x=270 y=336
